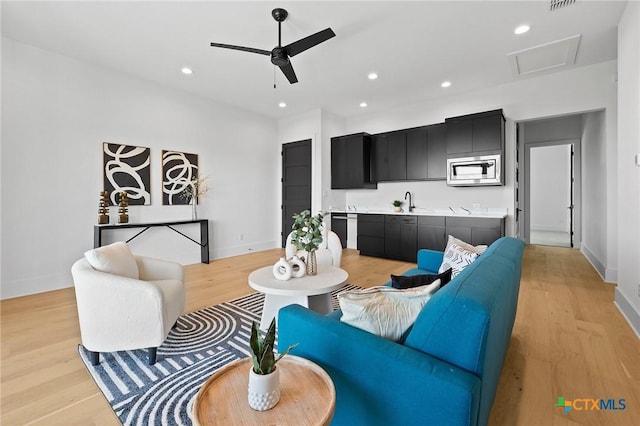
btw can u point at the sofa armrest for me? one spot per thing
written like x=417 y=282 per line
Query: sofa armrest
x=150 y=269
x=378 y=381
x=430 y=260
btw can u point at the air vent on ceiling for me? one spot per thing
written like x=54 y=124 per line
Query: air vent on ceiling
x=559 y=53
x=557 y=4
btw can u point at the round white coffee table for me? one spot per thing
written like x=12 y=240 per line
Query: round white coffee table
x=310 y=291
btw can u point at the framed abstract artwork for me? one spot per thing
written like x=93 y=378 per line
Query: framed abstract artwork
x=179 y=170
x=127 y=168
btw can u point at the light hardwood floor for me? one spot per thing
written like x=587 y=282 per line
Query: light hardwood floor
x=569 y=340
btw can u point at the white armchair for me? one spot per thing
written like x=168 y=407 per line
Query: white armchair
x=126 y=302
x=329 y=252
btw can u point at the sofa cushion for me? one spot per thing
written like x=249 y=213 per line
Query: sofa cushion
x=114 y=259
x=410 y=281
x=385 y=311
x=458 y=255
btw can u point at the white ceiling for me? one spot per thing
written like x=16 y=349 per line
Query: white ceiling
x=413 y=46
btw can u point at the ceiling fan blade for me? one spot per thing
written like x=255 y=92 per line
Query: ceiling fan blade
x=303 y=44
x=288 y=72
x=244 y=49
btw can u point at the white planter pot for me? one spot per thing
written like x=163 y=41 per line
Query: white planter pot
x=264 y=390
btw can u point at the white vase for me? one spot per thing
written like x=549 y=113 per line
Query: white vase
x=298 y=267
x=282 y=270
x=264 y=390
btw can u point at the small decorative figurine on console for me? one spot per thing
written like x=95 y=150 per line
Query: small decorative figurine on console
x=123 y=205
x=103 y=208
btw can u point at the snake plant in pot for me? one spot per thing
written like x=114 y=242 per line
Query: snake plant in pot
x=264 y=378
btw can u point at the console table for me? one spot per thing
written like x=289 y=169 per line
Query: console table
x=204 y=233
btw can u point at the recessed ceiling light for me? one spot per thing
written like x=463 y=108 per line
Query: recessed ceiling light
x=446 y=84
x=363 y=104
x=186 y=70
x=522 y=29
x=373 y=76
x=282 y=105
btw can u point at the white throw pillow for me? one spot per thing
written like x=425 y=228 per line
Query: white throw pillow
x=114 y=259
x=385 y=311
x=458 y=255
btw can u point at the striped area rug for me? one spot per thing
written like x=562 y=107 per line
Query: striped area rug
x=201 y=343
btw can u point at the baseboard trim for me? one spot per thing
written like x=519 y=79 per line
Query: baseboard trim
x=628 y=312
x=595 y=262
x=244 y=249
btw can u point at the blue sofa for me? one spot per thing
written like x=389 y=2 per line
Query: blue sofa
x=445 y=372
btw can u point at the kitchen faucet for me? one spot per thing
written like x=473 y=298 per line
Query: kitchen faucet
x=411 y=206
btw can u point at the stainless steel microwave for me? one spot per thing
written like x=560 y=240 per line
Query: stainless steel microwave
x=475 y=171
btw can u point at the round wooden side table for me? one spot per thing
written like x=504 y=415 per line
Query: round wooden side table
x=307 y=396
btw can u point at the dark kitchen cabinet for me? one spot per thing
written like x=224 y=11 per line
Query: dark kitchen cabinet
x=476 y=134
x=389 y=157
x=437 y=152
x=397 y=155
x=417 y=154
x=371 y=235
x=475 y=230
x=432 y=233
x=350 y=162
x=400 y=237
x=379 y=160
x=339 y=226
x=412 y=154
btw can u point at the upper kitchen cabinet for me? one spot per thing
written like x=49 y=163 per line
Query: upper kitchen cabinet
x=350 y=162
x=411 y=154
x=479 y=133
x=417 y=154
x=437 y=152
x=389 y=156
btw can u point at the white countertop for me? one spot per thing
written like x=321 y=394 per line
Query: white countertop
x=493 y=213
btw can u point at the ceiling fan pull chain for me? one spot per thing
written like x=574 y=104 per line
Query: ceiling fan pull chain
x=274 y=76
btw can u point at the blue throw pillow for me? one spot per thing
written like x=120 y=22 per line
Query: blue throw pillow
x=403 y=282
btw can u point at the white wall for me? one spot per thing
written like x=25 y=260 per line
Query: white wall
x=594 y=194
x=58 y=111
x=550 y=190
x=628 y=203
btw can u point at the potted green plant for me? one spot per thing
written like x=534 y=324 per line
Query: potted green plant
x=397 y=204
x=307 y=235
x=264 y=378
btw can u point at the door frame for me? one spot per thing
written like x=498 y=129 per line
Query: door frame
x=524 y=161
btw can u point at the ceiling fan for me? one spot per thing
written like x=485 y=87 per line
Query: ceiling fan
x=280 y=55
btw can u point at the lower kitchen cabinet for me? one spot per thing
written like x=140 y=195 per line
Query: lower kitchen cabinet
x=475 y=230
x=371 y=235
x=432 y=233
x=400 y=237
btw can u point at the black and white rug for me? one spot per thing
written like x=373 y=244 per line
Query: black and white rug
x=201 y=343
